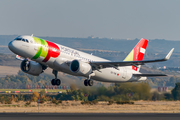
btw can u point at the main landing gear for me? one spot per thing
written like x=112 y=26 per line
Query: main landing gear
x=55 y=81
x=88 y=82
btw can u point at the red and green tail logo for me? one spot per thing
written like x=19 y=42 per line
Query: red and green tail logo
x=46 y=49
x=137 y=52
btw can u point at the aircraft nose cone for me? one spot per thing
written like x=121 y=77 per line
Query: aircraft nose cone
x=11 y=46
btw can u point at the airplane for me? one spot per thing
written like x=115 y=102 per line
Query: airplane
x=37 y=54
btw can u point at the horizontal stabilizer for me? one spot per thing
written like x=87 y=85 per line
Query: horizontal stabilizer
x=149 y=75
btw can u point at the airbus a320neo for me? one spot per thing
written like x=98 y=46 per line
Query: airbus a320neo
x=37 y=54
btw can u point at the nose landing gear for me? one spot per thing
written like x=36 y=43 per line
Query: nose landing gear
x=55 y=81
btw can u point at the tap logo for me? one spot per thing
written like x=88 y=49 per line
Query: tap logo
x=46 y=49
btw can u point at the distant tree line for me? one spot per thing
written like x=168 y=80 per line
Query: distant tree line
x=163 y=81
x=22 y=79
x=118 y=92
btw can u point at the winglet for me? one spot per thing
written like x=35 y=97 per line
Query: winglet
x=169 y=54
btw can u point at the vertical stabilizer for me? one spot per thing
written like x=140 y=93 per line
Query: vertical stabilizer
x=137 y=53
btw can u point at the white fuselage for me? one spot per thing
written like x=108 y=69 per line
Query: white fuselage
x=29 y=49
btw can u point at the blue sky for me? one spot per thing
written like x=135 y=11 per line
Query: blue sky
x=119 y=19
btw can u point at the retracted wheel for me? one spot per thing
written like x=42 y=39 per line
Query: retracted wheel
x=90 y=82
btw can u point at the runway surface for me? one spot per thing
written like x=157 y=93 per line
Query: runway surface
x=88 y=116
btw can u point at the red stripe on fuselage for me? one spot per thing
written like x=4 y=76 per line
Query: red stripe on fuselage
x=53 y=51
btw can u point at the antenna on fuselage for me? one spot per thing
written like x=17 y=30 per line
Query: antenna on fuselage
x=32 y=35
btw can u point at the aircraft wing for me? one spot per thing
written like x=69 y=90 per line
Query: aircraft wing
x=100 y=65
x=149 y=75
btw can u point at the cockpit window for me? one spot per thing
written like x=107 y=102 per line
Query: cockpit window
x=22 y=39
x=18 y=39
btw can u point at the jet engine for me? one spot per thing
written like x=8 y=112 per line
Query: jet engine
x=81 y=68
x=31 y=67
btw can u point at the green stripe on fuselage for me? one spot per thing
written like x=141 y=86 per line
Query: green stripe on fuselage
x=42 y=48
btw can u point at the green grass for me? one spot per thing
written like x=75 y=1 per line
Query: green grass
x=33 y=90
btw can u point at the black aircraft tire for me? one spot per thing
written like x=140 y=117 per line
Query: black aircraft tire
x=58 y=82
x=86 y=82
x=90 y=82
x=53 y=82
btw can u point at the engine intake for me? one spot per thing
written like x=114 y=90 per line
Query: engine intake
x=81 y=68
x=31 y=67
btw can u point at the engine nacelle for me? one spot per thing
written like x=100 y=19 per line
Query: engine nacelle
x=81 y=68
x=31 y=67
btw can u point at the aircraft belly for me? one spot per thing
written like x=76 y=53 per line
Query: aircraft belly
x=110 y=75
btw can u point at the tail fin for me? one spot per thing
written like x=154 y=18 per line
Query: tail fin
x=137 y=53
